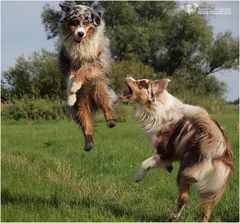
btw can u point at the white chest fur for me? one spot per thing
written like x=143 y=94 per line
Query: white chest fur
x=164 y=113
x=87 y=50
x=81 y=52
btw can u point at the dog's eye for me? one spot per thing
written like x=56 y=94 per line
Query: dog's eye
x=142 y=84
x=73 y=23
x=139 y=85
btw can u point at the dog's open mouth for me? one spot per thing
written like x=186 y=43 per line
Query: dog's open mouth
x=78 y=40
x=127 y=95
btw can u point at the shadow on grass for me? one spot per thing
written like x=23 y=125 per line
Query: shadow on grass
x=119 y=211
x=55 y=201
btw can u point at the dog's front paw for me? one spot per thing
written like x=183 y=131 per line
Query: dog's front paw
x=72 y=100
x=111 y=123
x=139 y=176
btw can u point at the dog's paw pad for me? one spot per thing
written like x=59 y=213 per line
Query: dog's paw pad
x=88 y=147
x=111 y=123
x=72 y=100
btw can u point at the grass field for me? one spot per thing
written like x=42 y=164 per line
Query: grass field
x=46 y=175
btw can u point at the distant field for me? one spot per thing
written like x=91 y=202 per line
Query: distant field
x=46 y=175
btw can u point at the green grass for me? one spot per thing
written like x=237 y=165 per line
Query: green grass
x=46 y=175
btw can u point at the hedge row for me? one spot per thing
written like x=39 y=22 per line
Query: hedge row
x=33 y=109
x=38 y=109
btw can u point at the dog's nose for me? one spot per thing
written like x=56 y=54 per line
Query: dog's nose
x=80 y=34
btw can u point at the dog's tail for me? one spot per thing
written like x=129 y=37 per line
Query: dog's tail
x=209 y=137
x=213 y=172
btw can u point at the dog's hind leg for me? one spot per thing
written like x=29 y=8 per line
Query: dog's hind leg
x=207 y=210
x=209 y=200
x=103 y=101
x=184 y=184
x=153 y=161
x=85 y=117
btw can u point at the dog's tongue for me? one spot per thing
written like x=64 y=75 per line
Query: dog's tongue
x=125 y=97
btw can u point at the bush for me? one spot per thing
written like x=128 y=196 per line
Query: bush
x=122 y=112
x=132 y=67
x=38 y=76
x=33 y=109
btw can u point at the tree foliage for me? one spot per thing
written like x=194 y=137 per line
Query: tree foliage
x=160 y=35
x=224 y=53
x=37 y=76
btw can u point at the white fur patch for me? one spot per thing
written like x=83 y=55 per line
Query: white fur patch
x=72 y=99
x=190 y=110
x=147 y=164
x=76 y=86
x=213 y=147
x=199 y=170
x=164 y=110
x=72 y=88
x=215 y=180
x=153 y=161
x=80 y=29
x=210 y=177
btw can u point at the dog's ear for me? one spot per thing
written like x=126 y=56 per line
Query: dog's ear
x=96 y=19
x=97 y=14
x=99 y=9
x=159 y=85
x=66 y=6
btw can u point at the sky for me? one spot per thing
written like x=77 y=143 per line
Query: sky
x=22 y=33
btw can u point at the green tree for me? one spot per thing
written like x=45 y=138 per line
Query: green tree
x=223 y=54
x=37 y=76
x=123 y=67
x=18 y=78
